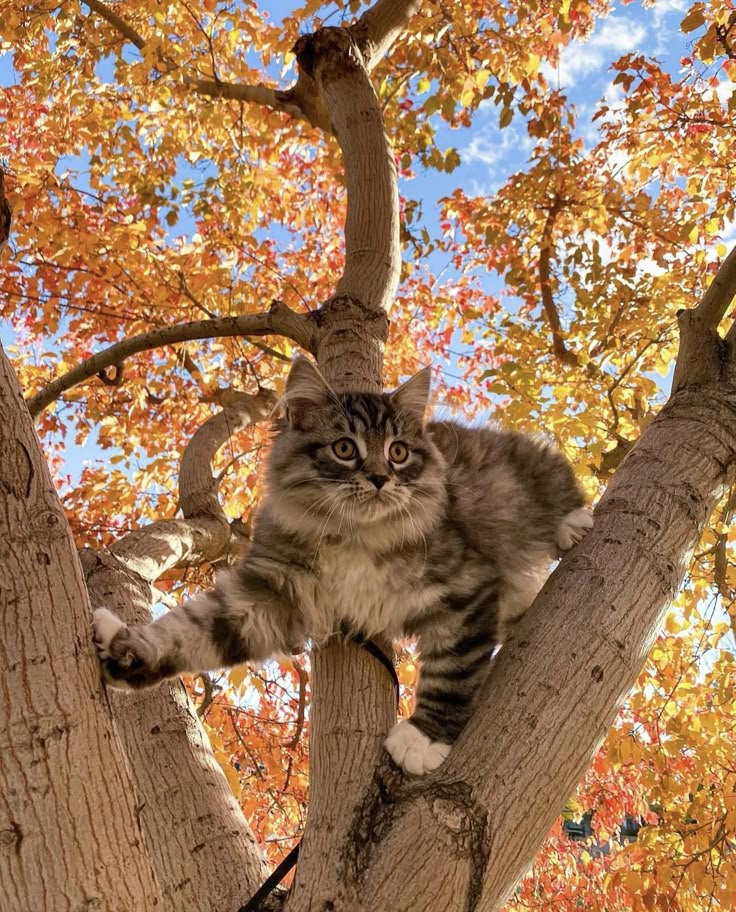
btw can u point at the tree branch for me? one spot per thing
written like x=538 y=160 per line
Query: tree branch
x=160 y=729
x=116 y=22
x=380 y=26
x=5 y=213
x=353 y=323
x=721 y=291
x=702 y=350
x=561 y=351
x=279 y=320
x=256 y=94
x=302 y=707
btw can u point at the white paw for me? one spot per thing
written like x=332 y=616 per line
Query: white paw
x=413 y=751
x=105 y=625
x=573 y=527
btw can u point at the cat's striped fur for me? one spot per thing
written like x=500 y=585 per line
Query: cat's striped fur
x=376 y=522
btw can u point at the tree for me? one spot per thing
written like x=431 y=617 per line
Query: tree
x=146 y=97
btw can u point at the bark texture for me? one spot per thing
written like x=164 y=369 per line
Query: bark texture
x=70 y=838
x=194 y=827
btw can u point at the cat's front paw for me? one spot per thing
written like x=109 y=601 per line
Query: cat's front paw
x=117 y=650
x=573 y=527
x=412 y=750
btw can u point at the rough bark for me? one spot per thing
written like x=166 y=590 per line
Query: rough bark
x=194 y=827
x=70 y=838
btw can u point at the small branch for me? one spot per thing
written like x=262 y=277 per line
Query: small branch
x=114 y=379
x=253 y=759
x=720 y=552
x=210 y=692
x=197 y=486
x=5 y=213
x=117 y=22
x=301 y=710
x=279 y=320
x=256 y=94
x=560 y=350
x=204 y=534
x=717 y=299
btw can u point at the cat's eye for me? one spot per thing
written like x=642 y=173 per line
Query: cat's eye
x=344 y=448
x=398 y=452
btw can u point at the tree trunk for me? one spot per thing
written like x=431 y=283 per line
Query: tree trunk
x=70 y=838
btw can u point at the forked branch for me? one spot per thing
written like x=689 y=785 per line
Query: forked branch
x=373 y=34
x=704 y=354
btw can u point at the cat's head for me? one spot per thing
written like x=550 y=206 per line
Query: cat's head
x=350 y=462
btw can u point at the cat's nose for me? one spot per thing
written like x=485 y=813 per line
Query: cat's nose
x=378 y=480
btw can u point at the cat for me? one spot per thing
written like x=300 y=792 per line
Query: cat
x=376 y=521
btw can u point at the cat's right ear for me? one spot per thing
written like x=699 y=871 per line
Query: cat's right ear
x=413 y=396
x=305 y=388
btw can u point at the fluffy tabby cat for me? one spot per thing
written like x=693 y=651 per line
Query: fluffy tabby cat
x=376 y=521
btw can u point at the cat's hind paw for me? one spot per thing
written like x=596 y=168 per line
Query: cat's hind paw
x=573 y=527
x=413 y=751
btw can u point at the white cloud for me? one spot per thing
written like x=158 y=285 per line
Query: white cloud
x=664 y=8
x=497 y=152
x=586 y=57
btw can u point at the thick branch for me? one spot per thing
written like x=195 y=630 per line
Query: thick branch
x=279 y=320
x=721 y=291
x=177 y=780
x=703 y=353
x=63 y=779
x=555 y=688
x=380 y=26
x=353 y=325
x=117 y=22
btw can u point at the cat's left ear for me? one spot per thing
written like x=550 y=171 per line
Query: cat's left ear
x=413 y=396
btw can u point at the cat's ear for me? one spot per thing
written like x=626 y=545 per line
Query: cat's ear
x=413 y=396
x=305 y=388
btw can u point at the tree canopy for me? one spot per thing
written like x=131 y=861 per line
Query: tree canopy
x=166 y=167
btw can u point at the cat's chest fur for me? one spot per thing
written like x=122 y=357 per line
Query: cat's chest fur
x=369 y=592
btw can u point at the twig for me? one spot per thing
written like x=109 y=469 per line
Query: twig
x=210 y=691
x=303 y=681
